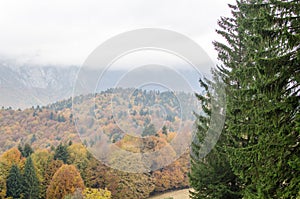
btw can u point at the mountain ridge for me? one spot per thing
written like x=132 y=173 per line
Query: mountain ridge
x=25 y=85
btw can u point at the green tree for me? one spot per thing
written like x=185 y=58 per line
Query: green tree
x=164 y=130
x=20 y=148
x=51 y=117
x=149 y=130
x=41 y=161
x=31 y=182
x=211 y=176
x=7 y=160
x=61 y=118
x=260 y=66
x=14 y=183
x=78 y=156
x=61 y=153
x=26 y=151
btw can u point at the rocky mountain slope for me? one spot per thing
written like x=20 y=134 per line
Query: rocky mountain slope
x=23 y=86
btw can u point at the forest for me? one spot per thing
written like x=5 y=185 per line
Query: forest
x=44 y=140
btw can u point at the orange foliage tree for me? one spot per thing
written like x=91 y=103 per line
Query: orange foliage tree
x=65 y=181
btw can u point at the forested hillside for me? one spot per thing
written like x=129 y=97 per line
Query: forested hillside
x=43 y=127
x=46 y=137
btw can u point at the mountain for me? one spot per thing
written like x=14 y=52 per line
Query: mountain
x=26 y=85
x=23 y=86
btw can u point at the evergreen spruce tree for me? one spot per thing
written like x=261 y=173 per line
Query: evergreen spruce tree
x=20 y=148
x=51 y=117
x=27 y=151
x=149 y=130
x=14 y=183
x=164 y=130
x=31 y=182
x=210 y=176
x=61 y=153
x=260 y=67
x=263 y=97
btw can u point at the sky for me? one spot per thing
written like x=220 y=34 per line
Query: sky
x=64 y=33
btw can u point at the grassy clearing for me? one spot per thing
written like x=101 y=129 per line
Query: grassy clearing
x=179 y=194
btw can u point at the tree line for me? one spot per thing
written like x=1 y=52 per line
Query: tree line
x=43 y=177
x=70 y=171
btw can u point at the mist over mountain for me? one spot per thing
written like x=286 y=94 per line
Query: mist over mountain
x=25 y=85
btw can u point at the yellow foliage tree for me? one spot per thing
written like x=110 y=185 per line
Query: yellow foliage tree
x=96 y=193
x=65 y=181
x=41 y=160
x=78 y=157
x=2 y=188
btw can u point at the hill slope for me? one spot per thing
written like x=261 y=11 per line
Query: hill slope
x=47 y=127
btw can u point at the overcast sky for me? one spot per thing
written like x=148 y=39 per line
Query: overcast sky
x=66 y=32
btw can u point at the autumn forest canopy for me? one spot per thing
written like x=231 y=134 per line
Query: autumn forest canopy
x=49 y=137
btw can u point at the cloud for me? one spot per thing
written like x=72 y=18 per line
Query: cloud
x=66 y=32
